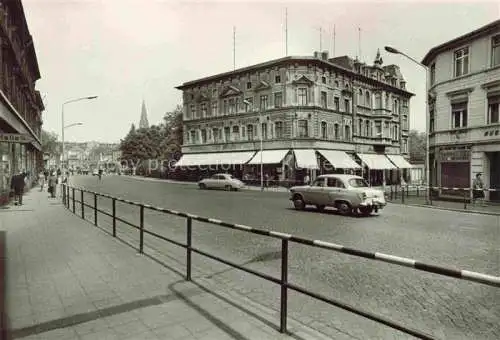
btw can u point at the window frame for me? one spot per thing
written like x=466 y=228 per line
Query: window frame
x=496 y=102
x=281 y=129
x=299 y=128
x=302 y=92
x=323 y=130
x=463 y=113
x=493 y=47
x=462 y=57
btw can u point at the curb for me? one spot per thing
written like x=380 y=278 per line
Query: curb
x=449 y=209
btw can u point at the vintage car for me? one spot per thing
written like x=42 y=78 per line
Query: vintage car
x=349 y=194
x=221 y=181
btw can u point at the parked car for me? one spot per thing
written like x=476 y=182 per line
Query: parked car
x=221 y=181
x=347 y=193
x=95 y=172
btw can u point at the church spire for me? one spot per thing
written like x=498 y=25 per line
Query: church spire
x=143 y=123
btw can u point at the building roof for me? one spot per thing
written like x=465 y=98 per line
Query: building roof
x=480 y=32
x=279 y=61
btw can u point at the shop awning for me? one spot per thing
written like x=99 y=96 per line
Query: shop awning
x=215 y=158
x=306 y=159
x=376 y=161
x=399 y=161
x=339 y=159
x=269 y=156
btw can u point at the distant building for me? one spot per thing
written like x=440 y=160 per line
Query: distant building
x=464 y=104
x=318 y=114
x=143 y=123
x=21 y=104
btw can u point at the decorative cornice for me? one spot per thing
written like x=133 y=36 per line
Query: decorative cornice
x=465 y=91
x=491 y=84
x=303 y=80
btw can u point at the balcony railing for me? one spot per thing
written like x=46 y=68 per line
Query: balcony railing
x=486 y=133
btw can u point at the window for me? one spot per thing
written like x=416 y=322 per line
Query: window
x=243 y=132
x=368 y=129
x=203 y=110
x=231 y=106
x=360 y=97
x=263 y=102
x=236 y=132
x=278 y=99
x=360 y=126
x=461 y=62
x=378 y=129
x=336 y=103
x=432 y=121
x=334 y=183
x=302 y=96
x=214 y=109
x=214 y=93
x=336 y=131
x=405 y=121
x=216 y=135
x=323 y=99
x=236 y=105
x=193 y=111
x=347 y=134
x=203 y=136
x=248 y=104
x=277 y=79
x=323 y=80
x=303 y=128
x=225 y=108
x=227 y=134
x=493 y=109
x=378 y=101
x=194 y=137
x=495 y=50
x=319 y=182
x=337 y=83
x=347 y=106
x=358 y=183
x=404 y=146
x=263 y=130
x=250 y=132
x=396 y=107
x=278 y=128
x=459 y=115
x=249 y=85
x=433 y=73
x=324 y=130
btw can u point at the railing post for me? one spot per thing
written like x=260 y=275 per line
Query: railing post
x=189 y=224
x=402 y=194
x=83 y=204
x=74 y=207
x=95 y=208
x=141 y=230
x=64 y=194
x=284 y=285
x=114 y=217
x=465 y=198
x=67 y=197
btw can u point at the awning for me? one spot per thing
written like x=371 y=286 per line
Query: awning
x=400 y=162
x=339 y=159
x=376 y=161
x=269 y=157
x=306 y=159
x=215 y=158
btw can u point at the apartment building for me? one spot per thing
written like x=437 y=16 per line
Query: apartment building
x=464 y=100
x=21 y=105
x=314 y=115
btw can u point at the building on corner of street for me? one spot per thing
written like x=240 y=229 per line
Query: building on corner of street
x=464 y=105
x=314 y=115
x=21 y=105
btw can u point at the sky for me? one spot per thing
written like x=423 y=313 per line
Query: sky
x=126 y=51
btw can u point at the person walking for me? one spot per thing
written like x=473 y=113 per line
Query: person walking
x=52 y=185
x=99 y=174
x=478 y=189
x=41 y=180
x=17 y=185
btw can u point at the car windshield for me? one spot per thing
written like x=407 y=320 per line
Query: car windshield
x=358 y=183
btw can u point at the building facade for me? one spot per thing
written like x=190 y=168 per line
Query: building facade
x=464 y=103
x=21 y=105
x=314 y=115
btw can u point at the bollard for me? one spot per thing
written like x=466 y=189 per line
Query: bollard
x=74 y=206
x=141 y=226
x=189 y=225
x=284 y=285
x=392 y=193
x=418 y=195
x=465 y=199
x=95 y=209
x=83 y=204
x=114 y=217
x=402 y=194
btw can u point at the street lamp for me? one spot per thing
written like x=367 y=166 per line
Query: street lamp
x=427 y=117
x=261 y=145
x=74 y=124
x=63 y=127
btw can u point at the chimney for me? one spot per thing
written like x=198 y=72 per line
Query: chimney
x=324 y=55
x=317 y=55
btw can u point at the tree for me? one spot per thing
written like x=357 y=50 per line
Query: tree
x=50 y=145
x=417 y=141
x=172 y=144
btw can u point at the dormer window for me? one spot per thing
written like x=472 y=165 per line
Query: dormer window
x=249 y=85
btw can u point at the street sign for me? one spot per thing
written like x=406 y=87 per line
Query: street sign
x=15 y=138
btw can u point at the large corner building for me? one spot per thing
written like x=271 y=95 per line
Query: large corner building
x=464 y=106
x=20 y=104
x=314 y=114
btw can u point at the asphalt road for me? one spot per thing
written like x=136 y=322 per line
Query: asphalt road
x=444 y=307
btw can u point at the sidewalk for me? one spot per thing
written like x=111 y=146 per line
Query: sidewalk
x=67 y=279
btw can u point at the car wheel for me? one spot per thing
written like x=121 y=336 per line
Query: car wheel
x=202 y=186
x=228 y=188
x=320 y=208
x=344 y=208
x=365 y=211
x=298 y=202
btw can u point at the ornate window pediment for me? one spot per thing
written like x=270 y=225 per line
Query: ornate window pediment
x=303 y=80
x=202 y=97
x=230 y=91
x=262 y=85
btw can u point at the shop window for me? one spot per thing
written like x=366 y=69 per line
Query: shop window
x=303 y=128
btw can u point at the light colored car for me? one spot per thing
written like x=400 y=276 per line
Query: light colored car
x=95 y=172
x=221 y=181
x=347 y=193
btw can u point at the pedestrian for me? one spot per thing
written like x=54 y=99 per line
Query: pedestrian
x=17 y=185
x=478 y=189
x=52 y=184
x=100 y=174
x=41 y=180
x=306 y=179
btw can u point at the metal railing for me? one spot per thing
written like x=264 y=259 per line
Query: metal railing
x=69 y=194
x=4 y=320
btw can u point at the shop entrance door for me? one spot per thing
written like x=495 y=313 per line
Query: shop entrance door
x=494 y=158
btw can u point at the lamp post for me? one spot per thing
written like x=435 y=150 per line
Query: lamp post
x=63 y=127
x=427 y=118
x=261 y=145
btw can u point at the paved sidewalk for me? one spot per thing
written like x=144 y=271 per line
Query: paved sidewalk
x=70 y=280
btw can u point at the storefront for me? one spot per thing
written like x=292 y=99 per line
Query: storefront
x=454 y=169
